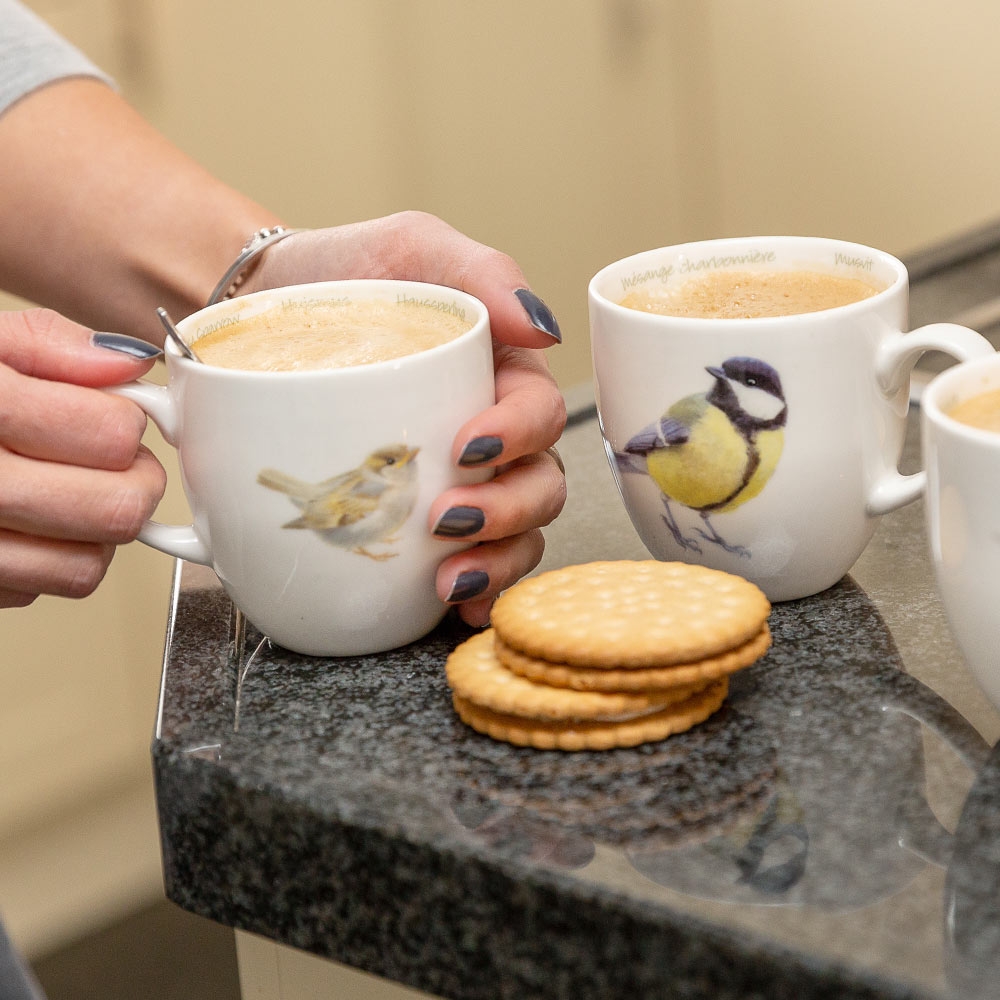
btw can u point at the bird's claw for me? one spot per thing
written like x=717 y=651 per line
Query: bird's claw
x=377 y=556
x=682 y=540
x=737 y=550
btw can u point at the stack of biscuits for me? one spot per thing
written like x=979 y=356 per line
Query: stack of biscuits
x=608 y=654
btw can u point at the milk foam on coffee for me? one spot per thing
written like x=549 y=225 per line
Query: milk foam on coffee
x=981 y=411
x=751 y=294
x=321 y=335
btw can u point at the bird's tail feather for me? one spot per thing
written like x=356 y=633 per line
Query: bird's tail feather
x=282 y=482
x=630 y=463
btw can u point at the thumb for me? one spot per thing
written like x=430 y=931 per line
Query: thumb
x=43 y=344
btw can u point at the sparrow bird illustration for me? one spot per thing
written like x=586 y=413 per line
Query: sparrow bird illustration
x=355 y=509
x=713 y=451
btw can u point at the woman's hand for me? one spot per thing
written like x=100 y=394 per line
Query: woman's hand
x=74 y=479
x=503 y=516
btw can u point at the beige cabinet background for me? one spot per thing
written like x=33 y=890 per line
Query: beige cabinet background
x=565 y=132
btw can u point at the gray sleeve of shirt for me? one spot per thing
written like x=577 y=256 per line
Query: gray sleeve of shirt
x=32 y=54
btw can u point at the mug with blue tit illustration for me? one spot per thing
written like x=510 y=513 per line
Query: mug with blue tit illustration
x=313 y=435
x=752 y=395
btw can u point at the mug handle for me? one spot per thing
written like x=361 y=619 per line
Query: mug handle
x=180 y=541
x=894 y=361
x=920 y=831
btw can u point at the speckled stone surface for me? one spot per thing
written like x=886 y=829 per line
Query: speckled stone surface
x=834 y=832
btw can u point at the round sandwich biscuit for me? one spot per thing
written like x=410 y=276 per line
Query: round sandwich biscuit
x=594 y=734
x=687 y=677
x=625 y=614
x=476 y=676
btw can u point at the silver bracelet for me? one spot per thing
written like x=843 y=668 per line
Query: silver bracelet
x=240 y=268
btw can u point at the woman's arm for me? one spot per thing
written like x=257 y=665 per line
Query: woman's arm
x=104 y=219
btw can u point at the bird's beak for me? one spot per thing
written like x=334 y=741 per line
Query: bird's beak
x=411 y=454
x=715 y=372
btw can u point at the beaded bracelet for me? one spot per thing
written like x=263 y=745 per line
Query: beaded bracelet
x=241 y=267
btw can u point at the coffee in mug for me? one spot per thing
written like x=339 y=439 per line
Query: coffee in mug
x=310 y=490
x=766 y=446
x=313 y=335
x=981 y=410
x=751 y=294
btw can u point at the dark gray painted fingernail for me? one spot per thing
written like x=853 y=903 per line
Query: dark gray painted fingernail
x=131 y=346
x=467 y=586
x=539 y=313
x=459 y=522
x=479 y=450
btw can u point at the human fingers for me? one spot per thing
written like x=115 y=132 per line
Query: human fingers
x=65 y=423
x=528 y=417
x=53 y=500
x=502 y=516
x=416 y=246
x=472 y=579
x=42 y=344
x=32 y=566
x=436 y=252
x=49 y=409
x=59 y=524
x=529 y=493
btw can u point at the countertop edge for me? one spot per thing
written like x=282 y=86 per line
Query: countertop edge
x=362 y=897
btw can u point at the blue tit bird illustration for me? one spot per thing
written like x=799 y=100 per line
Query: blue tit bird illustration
x=713 y=451
x=357 y=508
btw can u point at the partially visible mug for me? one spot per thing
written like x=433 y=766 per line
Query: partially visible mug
x=963 y=511
x=310 y=490
x=764 y=445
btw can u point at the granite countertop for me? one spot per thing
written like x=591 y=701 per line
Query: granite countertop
x=833 y=832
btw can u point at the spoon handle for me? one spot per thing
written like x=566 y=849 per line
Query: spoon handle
x=168 y=325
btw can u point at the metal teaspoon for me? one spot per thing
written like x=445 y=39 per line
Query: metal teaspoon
x=168 y=325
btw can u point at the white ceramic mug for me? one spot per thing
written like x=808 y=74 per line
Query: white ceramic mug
x=832 y=389
x=318 y=592
x=963 y=515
